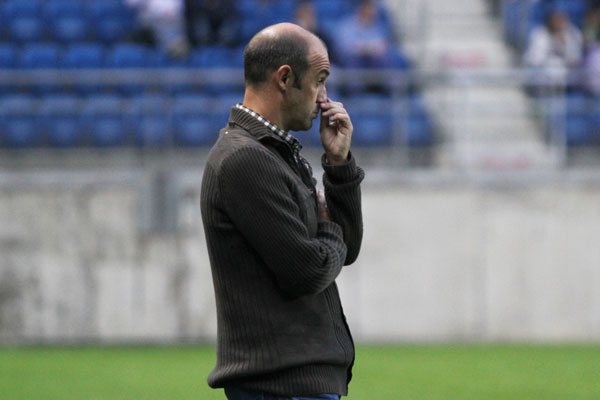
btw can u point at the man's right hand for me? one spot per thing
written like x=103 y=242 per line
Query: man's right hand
x=323 y=213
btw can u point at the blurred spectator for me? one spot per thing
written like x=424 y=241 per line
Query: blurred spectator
x=554 y=48
x=361 y=40
x=306 y=17
x=592 y=67
x=591 y=25
x=211 y=22
x=161 y=22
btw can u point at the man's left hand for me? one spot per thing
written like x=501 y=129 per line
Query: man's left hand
x=337 y=135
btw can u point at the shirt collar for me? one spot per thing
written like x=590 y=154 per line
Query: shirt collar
x=265 y=125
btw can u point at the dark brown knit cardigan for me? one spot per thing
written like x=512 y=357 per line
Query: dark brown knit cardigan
x=281 y=328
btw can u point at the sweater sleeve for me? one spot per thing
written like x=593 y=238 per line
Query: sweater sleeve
x=262 y=207
x=342 y=190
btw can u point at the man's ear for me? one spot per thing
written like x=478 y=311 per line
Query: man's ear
x=284 y=77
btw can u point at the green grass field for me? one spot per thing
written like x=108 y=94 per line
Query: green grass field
x=441 y=372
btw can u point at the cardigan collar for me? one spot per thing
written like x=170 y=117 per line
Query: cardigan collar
x=260 y=127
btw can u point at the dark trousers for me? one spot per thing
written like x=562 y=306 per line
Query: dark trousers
x=234 y=393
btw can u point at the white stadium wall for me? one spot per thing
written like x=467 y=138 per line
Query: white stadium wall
x=440 y=262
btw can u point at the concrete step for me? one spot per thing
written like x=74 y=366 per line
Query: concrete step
x=456 y=7
x=495 y=131
x=508 y=156
x=464 y=28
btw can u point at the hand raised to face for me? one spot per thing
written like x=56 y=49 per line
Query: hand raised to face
x=336 y=131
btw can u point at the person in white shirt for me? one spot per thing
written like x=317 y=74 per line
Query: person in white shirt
x=554 y=49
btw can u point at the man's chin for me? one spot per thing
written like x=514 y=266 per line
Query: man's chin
x=305 y=127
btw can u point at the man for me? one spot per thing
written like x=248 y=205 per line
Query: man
x=275 y=244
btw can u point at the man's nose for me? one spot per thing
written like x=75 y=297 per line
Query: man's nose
x=322 y=95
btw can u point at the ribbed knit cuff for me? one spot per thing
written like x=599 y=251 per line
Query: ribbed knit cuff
x=338 y=174
x=330 y=227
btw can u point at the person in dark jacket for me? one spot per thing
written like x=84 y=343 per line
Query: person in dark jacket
x=276 y=244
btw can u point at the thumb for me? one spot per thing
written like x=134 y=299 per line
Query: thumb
x=324 y=122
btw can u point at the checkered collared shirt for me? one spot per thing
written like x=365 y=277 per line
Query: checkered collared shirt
x=294 y=143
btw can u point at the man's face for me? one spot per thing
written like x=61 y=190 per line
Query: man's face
x=303 y=104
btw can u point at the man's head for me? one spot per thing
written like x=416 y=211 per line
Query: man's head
x=285 y=68
x=557 y=21
x=367 y=12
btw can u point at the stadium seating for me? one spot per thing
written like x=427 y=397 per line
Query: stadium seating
x=61 y=36
x=103 y=122
x=26 y=29
x=520 y=17
x=70 y=29
x=573 y=118
x=54 y=9
x=150 y=120
x=192 y=120
x=8 y=54
x=570 y=118
x=58 y=120
x=84 y=55
x=17 y=126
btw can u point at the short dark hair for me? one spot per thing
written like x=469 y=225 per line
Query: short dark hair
x=265 y=55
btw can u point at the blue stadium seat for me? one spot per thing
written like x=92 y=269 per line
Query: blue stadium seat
x=256 y=15
x=418 y=132
x=8 y=55
x=127 y=55
x=84 y=55
x=193 y=120
x=151 y=120
x=21 y=20
x=578 y=130
x=510 y=20
x=397 y=59
x=19 y=132
x=103 y=121
x=37 y=55
x=282 y=11
x=418 y=129
x=331 y=9
x=572 y=116
x=59 y=120
x=21 y=8
x=195 y=131
x=238 y=57
x=216 y=57
x=112 y=29
x=26 y=29
x=41 y=56
x=54 y=9
x=372 y=119
x=595 y=121
x=133 y=56
x=17 y=121
x=70 y=29
x=371 y=131
x=112 y=20
x=108 y=8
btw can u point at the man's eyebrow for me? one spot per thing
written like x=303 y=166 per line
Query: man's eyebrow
x=324 y=71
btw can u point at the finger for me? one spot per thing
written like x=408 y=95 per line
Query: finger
x=331 y=104
x=324 y=121
x=341 y=118
x=335 y=110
